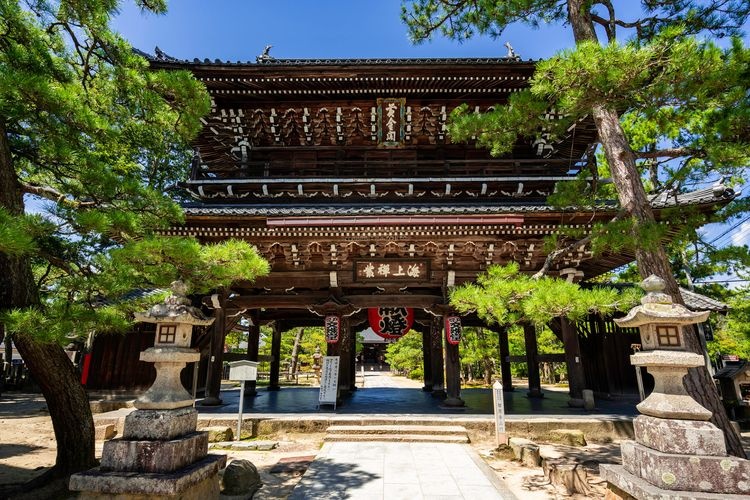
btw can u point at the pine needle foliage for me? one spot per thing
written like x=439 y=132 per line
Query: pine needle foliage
x=505 y=296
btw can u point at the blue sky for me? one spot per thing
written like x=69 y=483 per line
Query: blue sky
x=239 y=29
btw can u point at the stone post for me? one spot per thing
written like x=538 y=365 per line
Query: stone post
x=160 y=454
x=677 y=453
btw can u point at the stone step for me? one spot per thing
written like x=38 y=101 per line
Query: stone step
x=435 y=430
x=404 y=438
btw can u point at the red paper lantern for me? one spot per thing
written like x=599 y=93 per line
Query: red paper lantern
x=453 y=329
x=332 y=329
x=390 y=322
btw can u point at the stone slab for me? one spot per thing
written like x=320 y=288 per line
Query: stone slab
x=247 y=445
x=729 y=475
x=104 y=432
x=684 y=437
x=570 y=437
x=97 y=482
x=125 y=455
x=638 y=488
x=218 y=434
x=160 y=424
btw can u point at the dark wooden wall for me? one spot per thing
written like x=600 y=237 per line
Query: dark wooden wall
x=606 y=351
x=115 y=363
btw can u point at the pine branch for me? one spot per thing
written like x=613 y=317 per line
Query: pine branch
x=555 y=254
x=53 y=194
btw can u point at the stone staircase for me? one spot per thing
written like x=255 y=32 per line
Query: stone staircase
x=407 y=433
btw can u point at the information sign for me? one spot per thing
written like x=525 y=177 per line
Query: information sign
x=329 y=381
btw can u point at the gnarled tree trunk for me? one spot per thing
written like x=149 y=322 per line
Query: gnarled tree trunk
x=66 y=398
x=651 y=260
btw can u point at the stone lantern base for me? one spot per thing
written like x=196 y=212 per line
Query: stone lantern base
x=677 y=459
x=159 y=456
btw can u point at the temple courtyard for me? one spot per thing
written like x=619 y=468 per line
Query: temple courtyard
x=368 y=469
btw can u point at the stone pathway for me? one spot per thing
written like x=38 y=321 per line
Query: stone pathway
x=393 y=471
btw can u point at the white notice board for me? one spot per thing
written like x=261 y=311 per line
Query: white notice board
x=329 y=381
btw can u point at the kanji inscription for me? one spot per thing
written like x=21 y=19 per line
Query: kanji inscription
x=332 y=329
x=391 y=270
x=391 y=117
x=453 y=329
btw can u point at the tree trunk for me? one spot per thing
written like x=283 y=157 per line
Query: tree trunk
x=651 y=260
x=67 y=401
x=295 y=352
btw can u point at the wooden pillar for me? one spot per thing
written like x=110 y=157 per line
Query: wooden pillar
x=253 y=345
x=273 y=377
x=215 y=360
x=436 y=356
x=535 y=384
x=346 y=351
x=452 y=375
x=353 y=362
x=576 y=375
x=502 y=338
x=427 y=359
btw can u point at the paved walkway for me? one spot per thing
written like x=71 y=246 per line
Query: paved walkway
x=393 y=471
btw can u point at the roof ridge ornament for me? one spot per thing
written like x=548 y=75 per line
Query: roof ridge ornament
x=163 y=56
x=265 y=56
x=511 y=53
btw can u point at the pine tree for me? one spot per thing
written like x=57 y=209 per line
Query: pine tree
x=92 y=139
x=691 y=94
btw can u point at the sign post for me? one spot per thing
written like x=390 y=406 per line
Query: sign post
x=242 y=371
x=499 y=405
x=329 y=381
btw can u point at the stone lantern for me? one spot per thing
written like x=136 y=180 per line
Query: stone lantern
x=160 y=454
x=174 y=321
x=663 y=352
x=677 y=453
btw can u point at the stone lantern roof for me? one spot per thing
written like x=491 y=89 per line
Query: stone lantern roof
x=175 y=309
x=657 y=307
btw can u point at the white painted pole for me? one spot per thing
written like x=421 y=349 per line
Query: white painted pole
x=363 y=374
x=239 y=417
x=499 y=405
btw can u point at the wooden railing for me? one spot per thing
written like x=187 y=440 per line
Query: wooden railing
x=386 y=168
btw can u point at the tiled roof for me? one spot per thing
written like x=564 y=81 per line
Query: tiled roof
x=701 y=197
x=164 y=58
x=698 y=302
x=731 y=370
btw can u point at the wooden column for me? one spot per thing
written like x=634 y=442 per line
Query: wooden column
x=502 y=338
x=576 y=375
x=353 y=362
x=273 y=377
x=253 y=344
x=452 y=375
x=436 y=356
x=346 y=351
x=535 y=384
x=427 y=359
x=215 y=361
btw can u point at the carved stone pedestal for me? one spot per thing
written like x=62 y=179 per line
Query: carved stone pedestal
x=160 y=456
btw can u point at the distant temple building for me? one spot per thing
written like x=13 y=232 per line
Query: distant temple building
x=343 y=175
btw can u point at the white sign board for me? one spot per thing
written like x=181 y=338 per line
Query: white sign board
x=329 y=381
x=499 y=404
x=243 y=370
